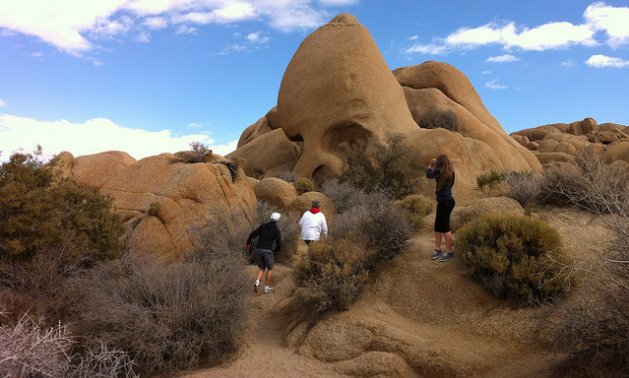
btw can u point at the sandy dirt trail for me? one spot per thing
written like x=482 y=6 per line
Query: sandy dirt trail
x=414 y=297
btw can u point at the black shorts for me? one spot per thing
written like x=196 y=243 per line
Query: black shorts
x=266 y=259
x=442 y=219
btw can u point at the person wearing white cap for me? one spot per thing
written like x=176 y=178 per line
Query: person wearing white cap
x=269 y=235
x=313 y=224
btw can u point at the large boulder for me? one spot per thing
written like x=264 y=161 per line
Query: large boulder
x=276 y=192
x=91 y=170
x=337 y=88
x=167 y=204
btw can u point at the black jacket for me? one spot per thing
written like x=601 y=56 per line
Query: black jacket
x=268 y=232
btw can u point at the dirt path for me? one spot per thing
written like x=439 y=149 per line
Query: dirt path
x=265 y=353
x=432 y=314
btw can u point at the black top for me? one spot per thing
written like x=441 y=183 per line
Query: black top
x=268 y=232
x=446 y=192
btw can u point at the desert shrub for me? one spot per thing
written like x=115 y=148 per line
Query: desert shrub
x=38 y=212
x=304 y=184
x=595 y=331
x=197 y=154
x=30 y=350
x=329 y=277
x=375 y=166
x=445 y=119
x=154 y=209
x=385 y=227
x=166 y=316
x=523 y=187
x=418 y=206
x=39 y=288
x=343 y=195
x=510 y=255
x=490 y=179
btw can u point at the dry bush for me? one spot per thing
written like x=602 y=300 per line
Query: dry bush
x=523 y=187
x=29 y=350
x=444 y=119
x=372 y=166
x=329 y=278
x=167 y=317
x=343 y=195
x=385 y=227
x=304 y=184
x=418 y=206
x=595 y=331
x=515 y=257
x=39 y=288
x=197 y=154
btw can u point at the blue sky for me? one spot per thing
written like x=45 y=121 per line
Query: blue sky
x=150 y=76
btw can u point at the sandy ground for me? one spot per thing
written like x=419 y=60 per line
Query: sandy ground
x=432 y=307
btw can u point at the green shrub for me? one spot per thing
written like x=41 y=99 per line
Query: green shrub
x=418 y=206
x=329 y=277
x=154 y=209
x=514 y=257
x=490 y=179
x=304 y=184
x=372 y=166
x=344 y=196
x=167 y=317
x=38 y=212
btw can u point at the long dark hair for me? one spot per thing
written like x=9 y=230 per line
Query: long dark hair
x=446 y=177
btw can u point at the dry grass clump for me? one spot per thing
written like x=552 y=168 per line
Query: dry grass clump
x=595 y=331
x=166 y=316
x=510 y=255
x=444 y=119
x=524 y=187
x=490 y=180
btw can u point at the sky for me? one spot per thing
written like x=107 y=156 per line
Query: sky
x=152 y=76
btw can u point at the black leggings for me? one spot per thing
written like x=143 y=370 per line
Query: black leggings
x=442 y=219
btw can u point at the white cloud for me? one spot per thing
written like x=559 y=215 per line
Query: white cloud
x=568 y=63
x=143 y=37
x=613 y=20
x=93 y=136
x=185 y=29
x=604 y=61
x=493 y=84
x=37 y=54
x=337 y=3
x=503 y=58
x=3 y=104
x=75 y=26
x=430 y=49
x=257 y=38
x=413 y=38
x=486 y=72
x=234 y=48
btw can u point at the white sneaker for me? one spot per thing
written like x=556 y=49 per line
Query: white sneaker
x=267 y=289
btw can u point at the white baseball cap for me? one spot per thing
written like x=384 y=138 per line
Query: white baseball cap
x=275 y=217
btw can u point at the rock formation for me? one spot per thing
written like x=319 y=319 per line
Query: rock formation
x=338 y=89
x=559 y=142
x=165 y=203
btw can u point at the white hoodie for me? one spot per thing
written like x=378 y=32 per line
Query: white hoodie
x=312 y=225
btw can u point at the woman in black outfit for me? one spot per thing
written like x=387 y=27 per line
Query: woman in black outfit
x=441 y=170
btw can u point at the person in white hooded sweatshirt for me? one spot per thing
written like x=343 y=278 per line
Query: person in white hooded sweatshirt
x=313 y=224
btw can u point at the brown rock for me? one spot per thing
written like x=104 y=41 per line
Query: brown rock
x=276 y=192
x=267 y=151
x=190 y=197
x=302 y=204
x=617 y=151
x=376 y=364
x=96 y=170
x=582 y=127
x=337 y=88
x=554 y=157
